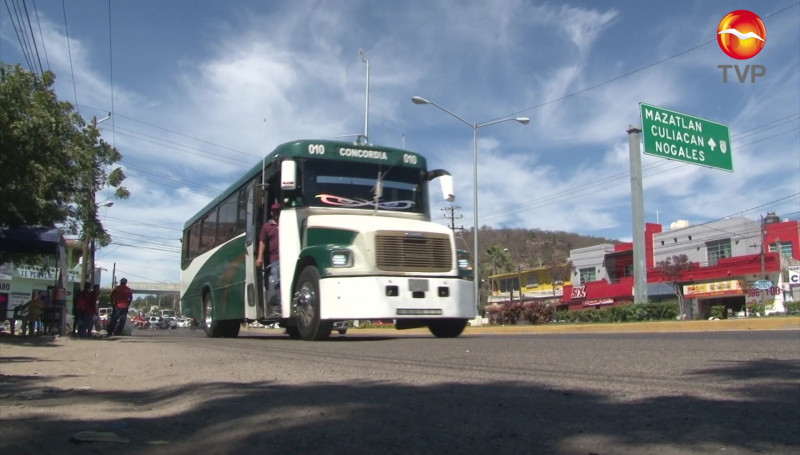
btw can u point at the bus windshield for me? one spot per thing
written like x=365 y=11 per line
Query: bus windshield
x=330 y=183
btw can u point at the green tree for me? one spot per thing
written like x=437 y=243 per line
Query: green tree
x=51 y=163
x=169 y=302
x=498 y=260
x=39 y=141
x=105 y=297
x=671 y=269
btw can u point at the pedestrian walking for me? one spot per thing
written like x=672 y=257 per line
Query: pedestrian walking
x=121 y=298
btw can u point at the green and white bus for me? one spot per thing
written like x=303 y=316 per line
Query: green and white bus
x=356 y=243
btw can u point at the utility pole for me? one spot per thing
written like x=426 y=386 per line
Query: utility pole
x=762 y=292
x=86 y=236
x=452 y=216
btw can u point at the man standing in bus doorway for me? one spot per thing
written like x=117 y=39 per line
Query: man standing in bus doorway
x=268 y=240
x=121 y=298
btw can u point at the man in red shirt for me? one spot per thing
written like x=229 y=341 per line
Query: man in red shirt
x=268 y=241
x=85 y=311
x=121 y=298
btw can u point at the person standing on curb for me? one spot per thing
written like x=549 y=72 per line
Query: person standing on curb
x=121 y=298
x=35 y=308
x=83 y=312
x=75 y=304
x=95 y=298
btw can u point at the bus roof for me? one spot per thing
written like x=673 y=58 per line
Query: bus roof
x=322 y=149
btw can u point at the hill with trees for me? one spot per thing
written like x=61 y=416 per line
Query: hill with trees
x=519 y=249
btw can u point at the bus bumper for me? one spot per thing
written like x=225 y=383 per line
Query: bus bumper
x=396 y=298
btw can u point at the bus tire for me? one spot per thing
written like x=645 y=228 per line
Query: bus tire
x=229 y=329
x=307 y=307
x=447 y=328
x=293 y=332
x=212 y=328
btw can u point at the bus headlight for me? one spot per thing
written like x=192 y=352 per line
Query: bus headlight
x=341 y=258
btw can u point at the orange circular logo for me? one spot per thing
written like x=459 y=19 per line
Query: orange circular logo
x=741 y=34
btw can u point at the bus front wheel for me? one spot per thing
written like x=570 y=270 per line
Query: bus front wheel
x=307 y=307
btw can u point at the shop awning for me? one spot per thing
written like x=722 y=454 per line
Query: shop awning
x=31 y=240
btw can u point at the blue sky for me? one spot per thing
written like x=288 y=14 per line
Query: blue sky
x=201 y=89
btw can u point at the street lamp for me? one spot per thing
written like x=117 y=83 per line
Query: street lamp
x=474 y=126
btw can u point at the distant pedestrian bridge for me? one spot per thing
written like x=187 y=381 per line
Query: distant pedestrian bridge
x=157 y=289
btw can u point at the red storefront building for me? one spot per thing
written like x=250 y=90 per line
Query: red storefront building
x=730 y=263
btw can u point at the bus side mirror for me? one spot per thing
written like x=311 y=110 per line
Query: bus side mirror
x=448 y=193
x=288 y=175
x=446 y=180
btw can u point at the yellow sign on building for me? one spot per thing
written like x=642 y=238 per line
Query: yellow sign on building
x=730 y=287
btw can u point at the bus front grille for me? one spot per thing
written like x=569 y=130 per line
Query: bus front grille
x=398 y=251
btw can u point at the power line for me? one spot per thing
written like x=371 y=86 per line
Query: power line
x=630 y=73
x=140 y=223
x=19 y=31
x=182 y=147
x=121 y=272
x=69 y=51
x=178 y=133
x=33 y=37
x=111 y=77
x=175 y=250
x=618 y=179
x=41 y=36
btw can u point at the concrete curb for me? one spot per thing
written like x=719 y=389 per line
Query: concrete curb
x=723 y=325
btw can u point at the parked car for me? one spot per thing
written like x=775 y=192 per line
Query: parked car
x=182 y=323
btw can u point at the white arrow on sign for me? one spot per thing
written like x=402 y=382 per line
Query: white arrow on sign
x=712 y=143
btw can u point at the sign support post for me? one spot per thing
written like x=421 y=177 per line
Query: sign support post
x=637 y=211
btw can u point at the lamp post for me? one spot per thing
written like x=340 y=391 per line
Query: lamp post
x=474 y=126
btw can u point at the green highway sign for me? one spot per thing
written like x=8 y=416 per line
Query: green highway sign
x=681 y=137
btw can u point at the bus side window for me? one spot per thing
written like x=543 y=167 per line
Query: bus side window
x=194 y=240
x=208 y=231
x=241 y=223
x=226 y=227
x=185 y=244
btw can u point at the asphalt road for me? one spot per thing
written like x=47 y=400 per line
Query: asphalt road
x=381 y=391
